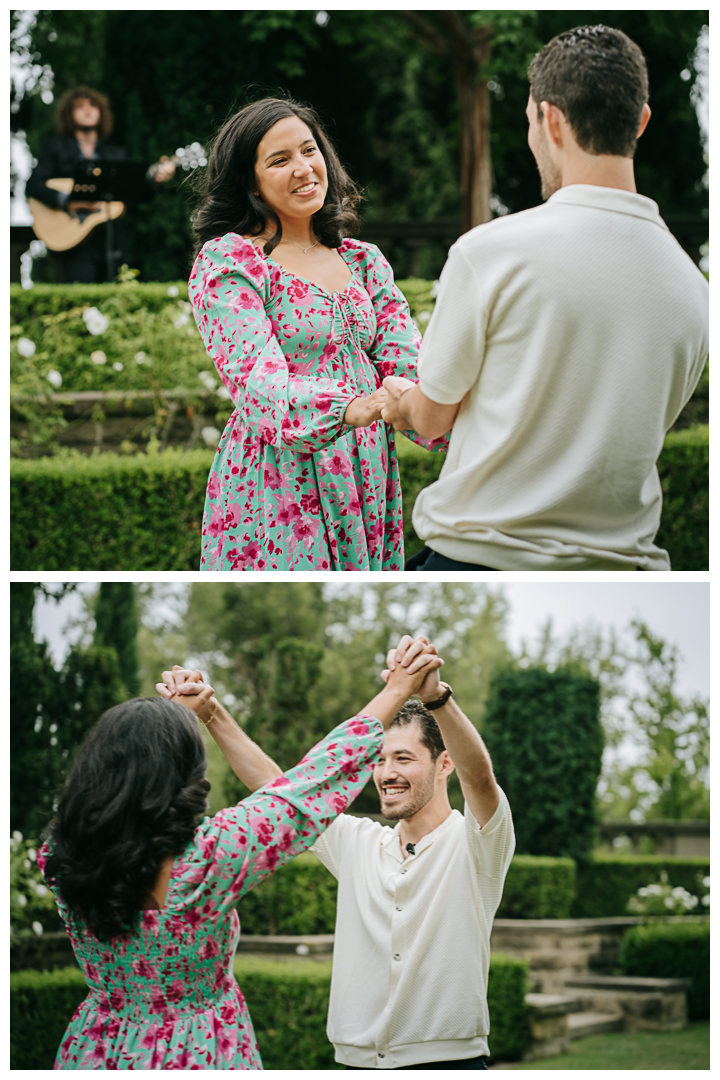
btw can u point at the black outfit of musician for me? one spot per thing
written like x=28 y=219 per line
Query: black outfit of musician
x=60 y=155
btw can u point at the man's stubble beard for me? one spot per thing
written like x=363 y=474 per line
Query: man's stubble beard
x=550 y=177
x=420 y=799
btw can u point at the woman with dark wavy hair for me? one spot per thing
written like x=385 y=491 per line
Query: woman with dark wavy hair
x=147 y=886
x=302 y=323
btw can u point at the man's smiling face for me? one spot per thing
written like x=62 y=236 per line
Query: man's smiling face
x=405 y=775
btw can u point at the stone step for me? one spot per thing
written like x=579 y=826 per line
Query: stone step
x=643 y=1004
x=581 y=1024
x=628 y=983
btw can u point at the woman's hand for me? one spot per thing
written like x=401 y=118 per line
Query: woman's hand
x=414 y=664
x=189 y=689
x=363 y=411
x=395 y=386
x=416 y=657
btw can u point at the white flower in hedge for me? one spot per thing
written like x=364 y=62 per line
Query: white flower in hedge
x=181 y=319
x=139 y=357
x=17 y=836
x=26 y=347
x=435 y=289
x=223 y=393
x=173 y=290
x=117 y=366
x=423 y=316
x=210 y=435
x=22 y=900
x=98 y=357
x=96 y=322
x=32 y=854
x=37 y=927
x=55 y=378
x=39 y=889
x=207 y=380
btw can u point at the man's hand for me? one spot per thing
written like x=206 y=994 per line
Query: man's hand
x=189 y=689
x=417 y=657
x=363 y=411
x=395 y=385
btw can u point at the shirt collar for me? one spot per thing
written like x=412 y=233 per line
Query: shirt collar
x=390 y=841
x=605 y=198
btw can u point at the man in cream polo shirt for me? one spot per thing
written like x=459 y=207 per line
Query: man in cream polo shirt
x=565 y=341
x=416 y=903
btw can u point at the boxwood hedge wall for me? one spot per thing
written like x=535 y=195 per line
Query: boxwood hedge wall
x=288 y=1003
x=606 y=882
x=672 y=951
x=143 y=512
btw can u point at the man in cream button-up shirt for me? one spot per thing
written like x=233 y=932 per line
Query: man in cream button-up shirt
x=416 y=903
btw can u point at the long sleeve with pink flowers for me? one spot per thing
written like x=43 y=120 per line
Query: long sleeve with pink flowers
x=238 y=847
x=397 y=340
x=230 y=293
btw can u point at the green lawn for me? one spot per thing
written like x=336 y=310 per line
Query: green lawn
x=687 y=1049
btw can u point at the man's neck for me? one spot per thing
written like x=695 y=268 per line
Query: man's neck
x=432 y=815
x=601 y=170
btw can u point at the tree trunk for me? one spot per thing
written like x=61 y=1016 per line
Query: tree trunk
x=475 y=161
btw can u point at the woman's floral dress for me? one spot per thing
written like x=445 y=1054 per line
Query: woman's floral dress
x=166 y=997
x=292 y=487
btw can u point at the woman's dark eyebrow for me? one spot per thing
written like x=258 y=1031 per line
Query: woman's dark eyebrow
x=276 y=152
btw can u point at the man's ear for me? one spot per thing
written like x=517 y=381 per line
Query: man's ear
x=646 y=114
x=446 y=765
x=553 y=122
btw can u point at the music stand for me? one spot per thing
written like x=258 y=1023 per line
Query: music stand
x=110 y=181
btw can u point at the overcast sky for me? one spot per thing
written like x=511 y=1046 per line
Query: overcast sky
x=680 y=613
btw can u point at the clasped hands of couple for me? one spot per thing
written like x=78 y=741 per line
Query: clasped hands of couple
x=383 y=404
x=412 y=671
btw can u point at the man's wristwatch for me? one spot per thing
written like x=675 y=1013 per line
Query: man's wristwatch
x=442 y=700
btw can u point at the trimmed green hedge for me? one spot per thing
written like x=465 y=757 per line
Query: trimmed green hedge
x=672 y=951
x=301 y=898
x=606 y=883
x=288 y=1002
x=108 y=512
x=112 y=512
x=538 y=887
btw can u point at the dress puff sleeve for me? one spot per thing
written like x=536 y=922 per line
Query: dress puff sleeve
x=229 y=289
x=234 y=850
x=397 y=340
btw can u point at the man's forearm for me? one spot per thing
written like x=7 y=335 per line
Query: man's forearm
x=471 y=759
x=250 y=764
x=428 y=418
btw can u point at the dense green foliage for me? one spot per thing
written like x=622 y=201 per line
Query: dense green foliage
x=389 y=102
x=672 y=951
x=288 y=1003
x=51 y=712
x=145 y=511
x=606 y=882
x=543 y=731
x=116 y=627
x=109 y=512
x=684 y=468
x=538 y=887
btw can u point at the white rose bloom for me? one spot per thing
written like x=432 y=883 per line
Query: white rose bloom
x=210 y=436
x=26 y=347
x=22 y=900
x=17 y=836
x=96 y=322
x=223 y=393
x=207 y=380
x=55 y=378
x=37 y=927
x=98 y=357
x=173 y=290
x=181 y=320
x=118 y=366
x=435 y=289
x=39 y=889
x=424 y=316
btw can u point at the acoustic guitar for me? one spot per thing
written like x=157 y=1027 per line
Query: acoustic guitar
x=61 y=230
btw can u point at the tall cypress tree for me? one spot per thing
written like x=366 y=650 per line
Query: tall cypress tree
x=116 y=627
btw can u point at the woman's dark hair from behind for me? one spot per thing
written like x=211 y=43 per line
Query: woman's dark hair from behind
x=134 y=796
x=228 y=199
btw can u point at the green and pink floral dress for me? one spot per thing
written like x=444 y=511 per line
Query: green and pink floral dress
x=292 y=487
x=166 y=997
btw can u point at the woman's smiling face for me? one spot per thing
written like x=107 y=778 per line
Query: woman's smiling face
x=290 y=171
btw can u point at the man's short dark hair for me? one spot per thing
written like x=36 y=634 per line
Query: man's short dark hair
x=414 y=712
x=598 y=77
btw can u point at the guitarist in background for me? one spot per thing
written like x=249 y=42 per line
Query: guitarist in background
x=84 y=124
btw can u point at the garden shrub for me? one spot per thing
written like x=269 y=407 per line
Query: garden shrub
x=288 y=1002
x=544 y=734
x=606 y=882
x=671 y=951
x=300 y=898
x=538 y=887
x=108 y=512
